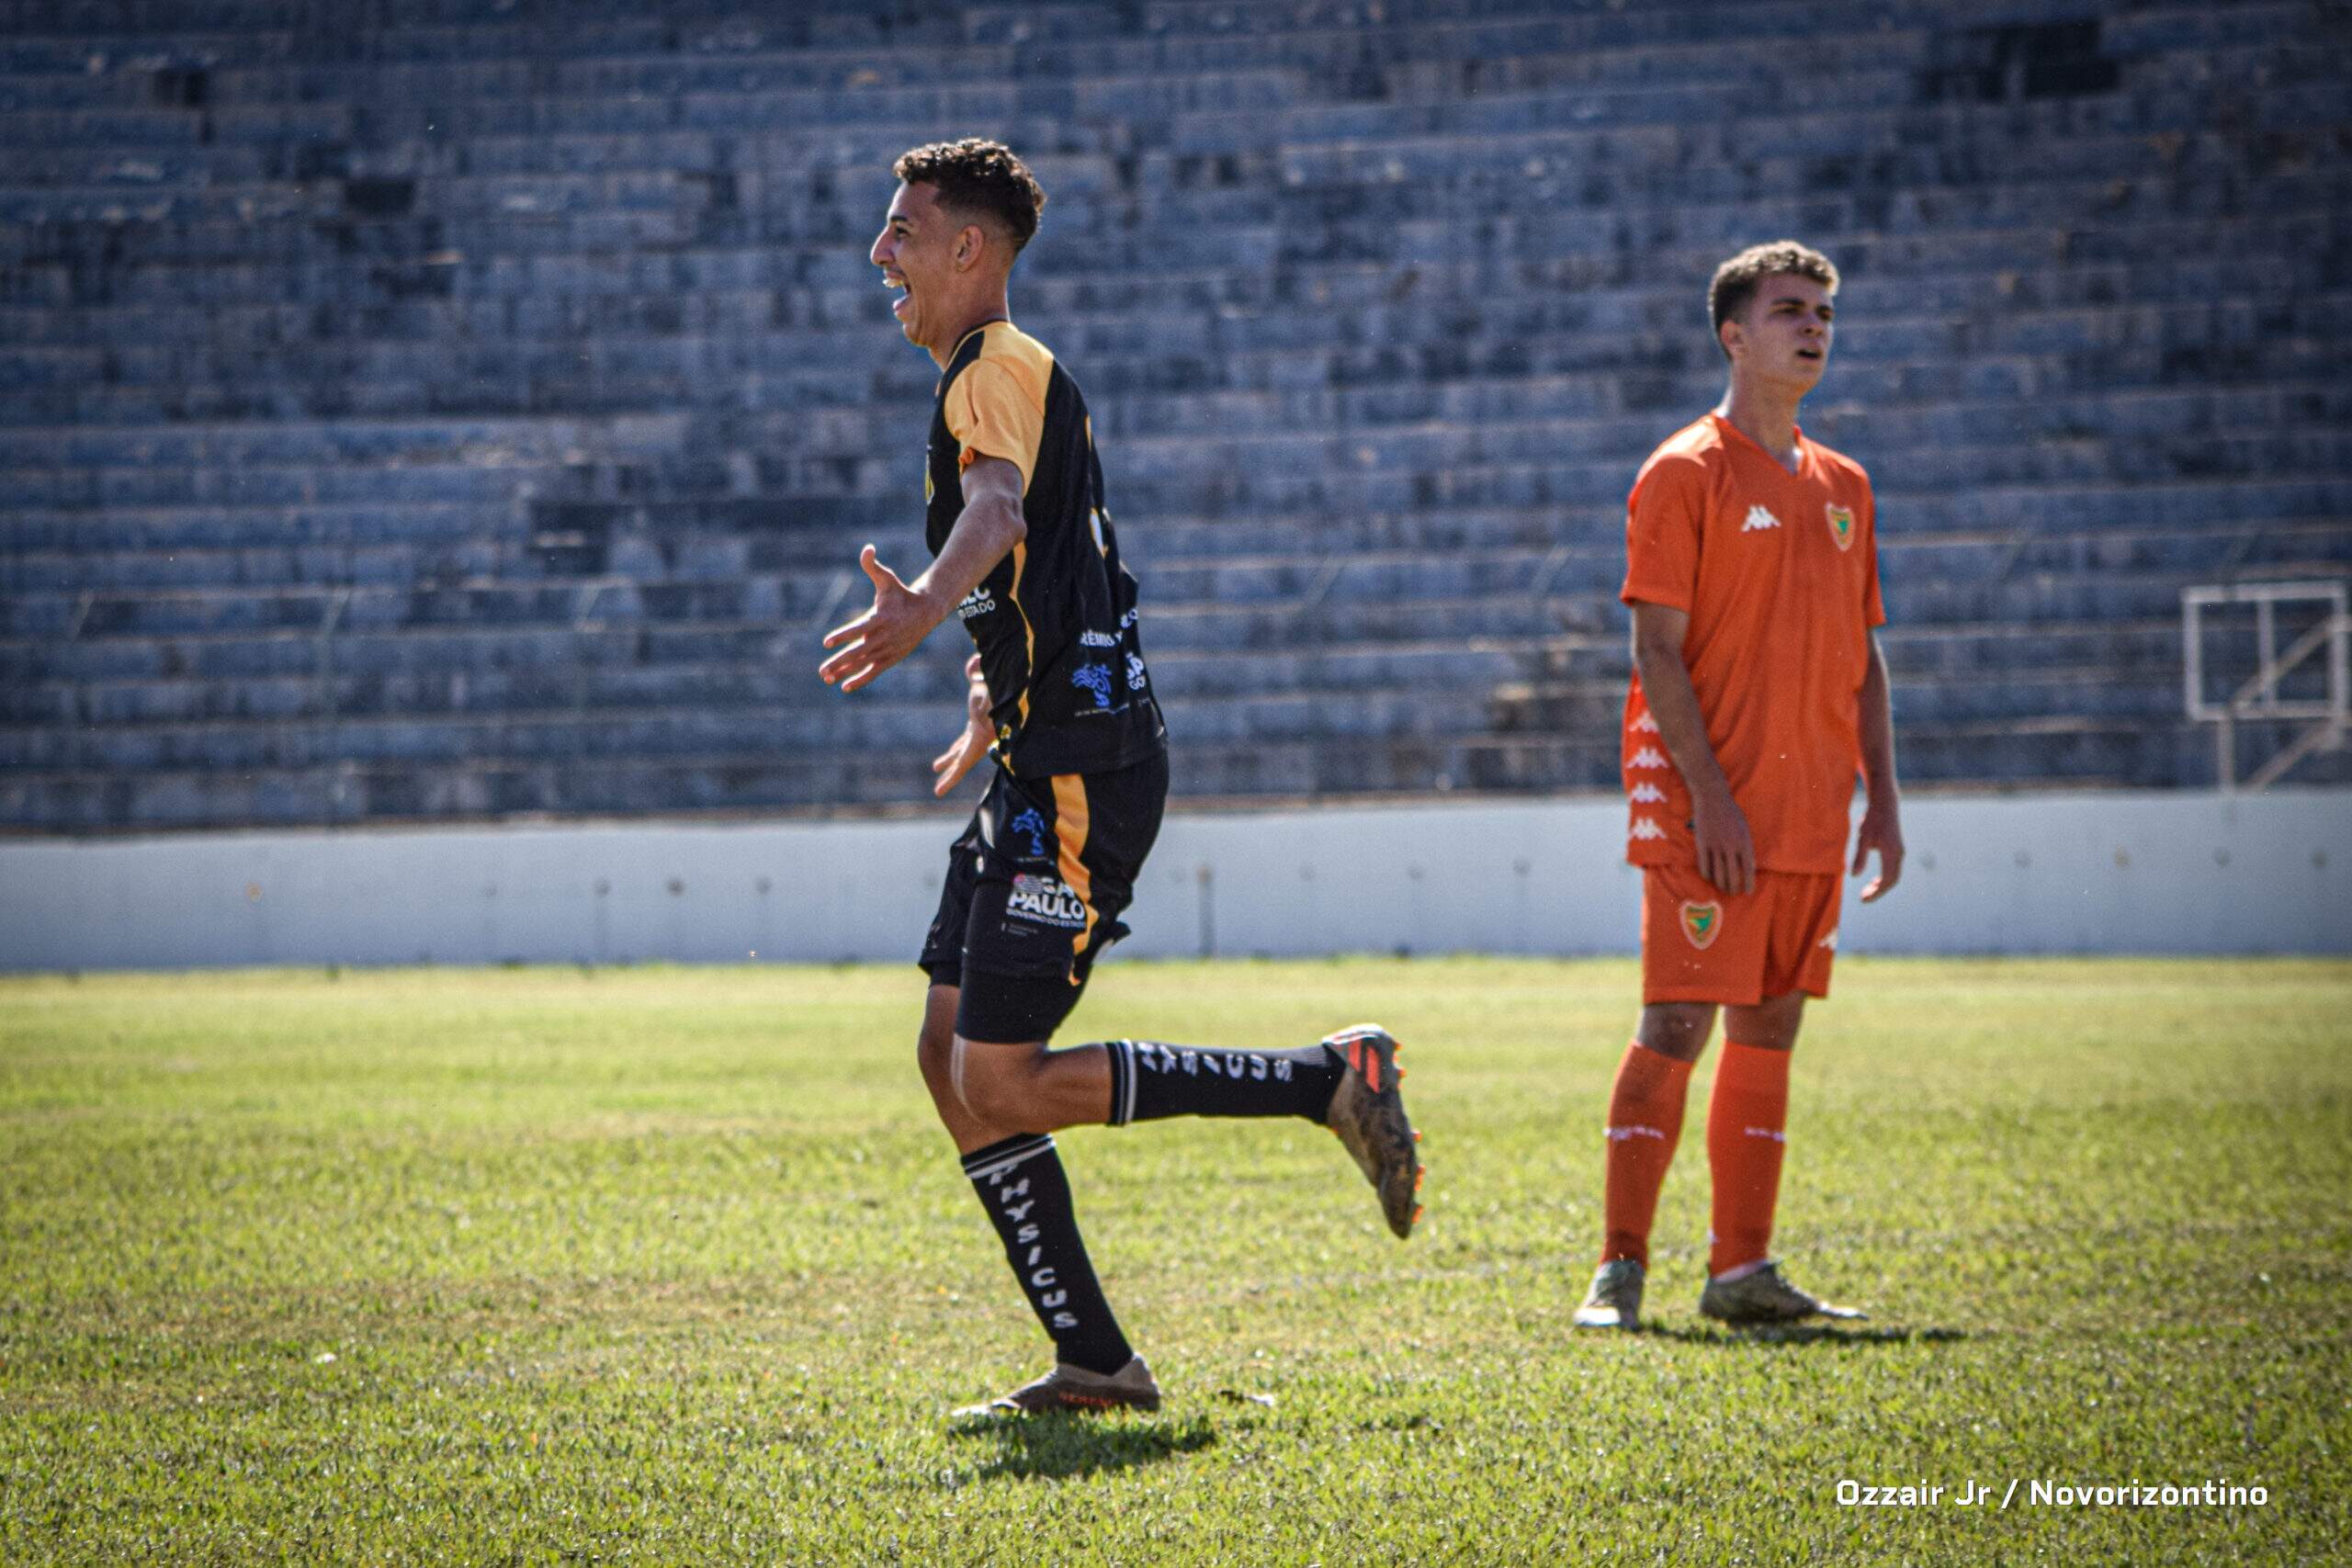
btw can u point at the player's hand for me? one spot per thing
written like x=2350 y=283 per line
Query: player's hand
x=952 y=764
x=880 y=638
x=1727 y=852
x=1882 y=830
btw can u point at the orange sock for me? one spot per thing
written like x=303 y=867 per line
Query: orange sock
x=1644 y=1123
x=1746 y=1118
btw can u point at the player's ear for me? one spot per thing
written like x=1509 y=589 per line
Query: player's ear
x=971 y=240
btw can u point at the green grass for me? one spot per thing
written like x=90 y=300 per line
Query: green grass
x=661 y=1265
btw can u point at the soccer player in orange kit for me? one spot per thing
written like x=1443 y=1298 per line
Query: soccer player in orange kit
x=1760 y=691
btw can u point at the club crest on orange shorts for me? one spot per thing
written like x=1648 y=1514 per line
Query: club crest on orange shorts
x=1702 y=944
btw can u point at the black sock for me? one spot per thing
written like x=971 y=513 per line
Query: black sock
x=1021 y=1183
x=1150 y=1080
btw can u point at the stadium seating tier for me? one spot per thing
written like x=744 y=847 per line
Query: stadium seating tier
x=457 y=409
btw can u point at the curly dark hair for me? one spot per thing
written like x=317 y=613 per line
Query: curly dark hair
x=1737 y=279
x=978 y=177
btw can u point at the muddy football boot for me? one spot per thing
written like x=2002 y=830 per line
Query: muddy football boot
x=1367 y=1113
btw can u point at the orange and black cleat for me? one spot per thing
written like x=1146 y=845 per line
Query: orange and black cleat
x=1367 y=1112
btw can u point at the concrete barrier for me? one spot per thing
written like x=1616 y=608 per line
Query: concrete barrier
x=2022 y=874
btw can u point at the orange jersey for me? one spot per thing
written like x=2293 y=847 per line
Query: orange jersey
x=1778 y=574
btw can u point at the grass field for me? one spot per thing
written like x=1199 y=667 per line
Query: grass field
x=663 y=1265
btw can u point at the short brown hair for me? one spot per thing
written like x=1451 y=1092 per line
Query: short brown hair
x=979 y=178
x=1737 y=279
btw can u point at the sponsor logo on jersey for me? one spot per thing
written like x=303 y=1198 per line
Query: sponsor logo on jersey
x=1645 y=828
x=1645 y=725
x=1094 y=678
x=1758 y=517
x=1648 y=794
x=1841 y=525
x=1135 y=672
x=978 y=601
x=1647 y=757
x=1097 y=639
x=1048 y=899
x=1701 y=922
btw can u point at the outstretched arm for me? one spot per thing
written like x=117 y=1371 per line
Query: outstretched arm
x=1727 y=852
x=1882 y=827
x=904 y=613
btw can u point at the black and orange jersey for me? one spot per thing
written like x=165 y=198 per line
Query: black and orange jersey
x=1055 y=621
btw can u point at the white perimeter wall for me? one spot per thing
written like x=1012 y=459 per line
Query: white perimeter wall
x=2157 y=874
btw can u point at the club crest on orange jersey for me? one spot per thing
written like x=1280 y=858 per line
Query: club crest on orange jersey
x=1841 y=525
x=1701 y=922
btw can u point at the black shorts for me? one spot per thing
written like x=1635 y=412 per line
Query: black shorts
x=1036 y=886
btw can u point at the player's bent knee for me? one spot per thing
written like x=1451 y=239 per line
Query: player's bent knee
x=997 y=1083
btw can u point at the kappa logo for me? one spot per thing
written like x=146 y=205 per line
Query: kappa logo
x=1645 y=725
x=1829 y=942
x=1701 y=922
x=1647 y=757
x=1841 y=525
x=1645 y=828
x=1648 y=795
x=1046 y=899
x=1758 y=517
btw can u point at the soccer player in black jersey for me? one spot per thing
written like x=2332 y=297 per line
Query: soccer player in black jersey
x=1024 y=552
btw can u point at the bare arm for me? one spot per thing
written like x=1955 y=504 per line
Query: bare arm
x=979 y=732
x=905 y=613
x=1882 y=827
x=1727 y=852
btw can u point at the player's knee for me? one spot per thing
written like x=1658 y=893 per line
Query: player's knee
x=1677 y=1030
x=996 y=1082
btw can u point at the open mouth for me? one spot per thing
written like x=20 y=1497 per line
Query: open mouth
x=893 y=280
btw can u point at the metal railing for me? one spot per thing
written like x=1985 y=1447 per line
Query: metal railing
x=2257 y=698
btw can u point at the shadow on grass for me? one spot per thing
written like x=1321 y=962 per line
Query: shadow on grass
x=1058 y=1446
x=1805 y=1334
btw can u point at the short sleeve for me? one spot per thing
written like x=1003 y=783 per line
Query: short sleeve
x=1662 y=519
x=991 y=413
x=1873 y=608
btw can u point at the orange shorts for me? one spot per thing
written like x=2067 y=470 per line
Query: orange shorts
x=1700 y=945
